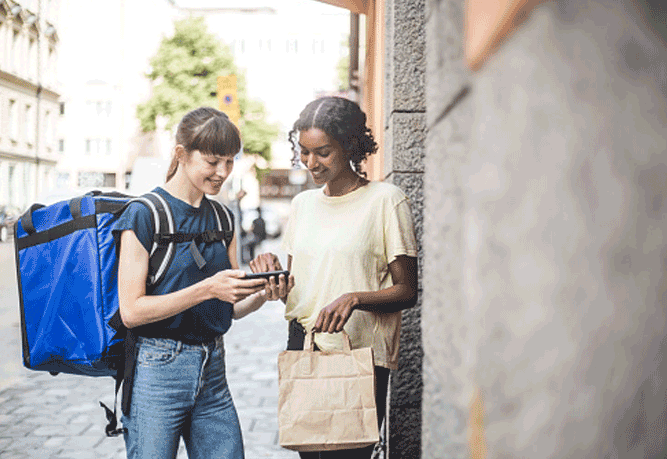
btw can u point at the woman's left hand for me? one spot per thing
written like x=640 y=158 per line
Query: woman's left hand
x=333 y=317
x=279 y=290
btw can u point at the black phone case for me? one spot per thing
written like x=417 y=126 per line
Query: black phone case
x=267 y=275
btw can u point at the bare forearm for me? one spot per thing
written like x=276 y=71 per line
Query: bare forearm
x=248 y=305
x=153 y=308
x=392 y=299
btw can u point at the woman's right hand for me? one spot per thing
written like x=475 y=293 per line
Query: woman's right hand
x=229 y=285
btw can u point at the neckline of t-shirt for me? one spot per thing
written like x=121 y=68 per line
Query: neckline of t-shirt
x=347 y=196
x=187 y=207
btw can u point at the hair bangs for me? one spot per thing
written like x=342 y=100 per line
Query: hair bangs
x=218 y=136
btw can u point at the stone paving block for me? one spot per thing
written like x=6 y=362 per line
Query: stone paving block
x=82 y=419
x=80 y=408
x=13 y=455
x=6 y=419
x=264 y=392
x=4 y=443
x=89 y=442
x=259 y=438
x=267 y=424
x=270 y=401
x=24 y=410
x=57 y=393
x=18 y=430
x=58 y=429
x=75 y=454
x=54 y=443
x=265 y=376
x=26 y=444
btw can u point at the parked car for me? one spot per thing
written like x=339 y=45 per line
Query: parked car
x=8 y=216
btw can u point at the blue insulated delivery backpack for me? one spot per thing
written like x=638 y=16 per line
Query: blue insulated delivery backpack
x=66 y=258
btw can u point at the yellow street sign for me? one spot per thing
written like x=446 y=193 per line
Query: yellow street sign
x=228 y=99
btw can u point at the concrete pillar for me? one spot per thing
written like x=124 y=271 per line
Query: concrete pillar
x=405 y=140
x=565 y=236
x=447 y=385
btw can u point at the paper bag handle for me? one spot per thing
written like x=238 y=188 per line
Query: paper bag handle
x=309 y=342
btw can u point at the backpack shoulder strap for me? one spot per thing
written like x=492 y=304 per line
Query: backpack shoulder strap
x=225 y=220
x=163 y=221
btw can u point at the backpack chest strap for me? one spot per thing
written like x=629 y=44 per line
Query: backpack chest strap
x=205 y=237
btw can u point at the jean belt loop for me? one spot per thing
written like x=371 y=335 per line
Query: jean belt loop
x=179 y=346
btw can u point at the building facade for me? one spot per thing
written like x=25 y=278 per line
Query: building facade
x=105 y=50
x=29 y=99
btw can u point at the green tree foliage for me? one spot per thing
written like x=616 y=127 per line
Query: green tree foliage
x=342 y=73
x=184 y=73
x=343 y=69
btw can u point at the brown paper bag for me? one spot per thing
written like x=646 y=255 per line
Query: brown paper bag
x=326 y=400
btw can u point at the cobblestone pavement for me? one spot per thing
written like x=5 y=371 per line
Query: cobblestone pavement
x=42 y=416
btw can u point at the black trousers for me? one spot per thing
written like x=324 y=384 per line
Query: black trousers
x=295 y=341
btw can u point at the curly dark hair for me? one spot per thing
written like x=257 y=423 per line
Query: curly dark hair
x=342 y=120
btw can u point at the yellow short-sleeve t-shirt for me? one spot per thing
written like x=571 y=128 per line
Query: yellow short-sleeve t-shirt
x=342 y=244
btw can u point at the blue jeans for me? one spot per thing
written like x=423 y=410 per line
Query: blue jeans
x=180 y=390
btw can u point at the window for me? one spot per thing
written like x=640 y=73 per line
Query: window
x=13 y=120
x=292 y=46
x=98 y=108
x=14 y=51
x=62 y=108
x=51 y=65
x=265 y=45
x=12 y=185
x=49 y=131
x=318 y=46
x=109 y=180
x=96 y=179
x=32 y=58
x=98 y=146
x=29 y=123
x=238 y=46
x=61 y=145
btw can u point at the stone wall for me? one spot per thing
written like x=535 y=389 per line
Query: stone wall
x=545 y=236
x=405 y=141
x=445 y=330
x=566 y=236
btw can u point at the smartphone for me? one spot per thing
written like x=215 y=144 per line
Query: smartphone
x=267 y=275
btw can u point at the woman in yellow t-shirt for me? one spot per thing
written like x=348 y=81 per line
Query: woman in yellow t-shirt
x=351 y=246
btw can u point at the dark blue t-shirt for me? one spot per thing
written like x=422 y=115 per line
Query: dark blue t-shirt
x=204 y=321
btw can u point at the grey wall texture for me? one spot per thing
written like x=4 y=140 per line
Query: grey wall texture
x=545 y=237
x=446 y=373
x=405 y=140
x=565 y=236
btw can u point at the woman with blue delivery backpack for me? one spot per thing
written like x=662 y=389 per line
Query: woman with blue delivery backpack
x=179 y=387
x=351 y=247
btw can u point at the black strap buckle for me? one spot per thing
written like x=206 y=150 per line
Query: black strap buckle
x=209 y=236
x=112 y=429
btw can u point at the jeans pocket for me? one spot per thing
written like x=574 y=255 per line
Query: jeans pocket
x=154 y=356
